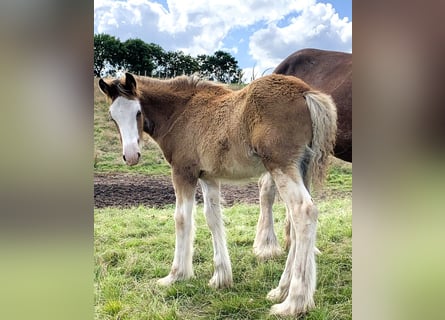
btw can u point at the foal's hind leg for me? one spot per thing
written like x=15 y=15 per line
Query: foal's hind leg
x=222 y=276
x=280 y=293
x=266 y=244
x=300 y=264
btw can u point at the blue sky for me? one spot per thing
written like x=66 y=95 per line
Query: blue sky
x=258 y=33
x=343 y=7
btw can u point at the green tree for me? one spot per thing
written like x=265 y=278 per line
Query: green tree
x=178 y=63
x=188 y=64
x=107 y=54
x=221 y=66
x=137 y=57
x=204 y=65
x=158 y=57
x=226 y=67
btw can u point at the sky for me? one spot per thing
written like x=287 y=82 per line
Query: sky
x=258 y=33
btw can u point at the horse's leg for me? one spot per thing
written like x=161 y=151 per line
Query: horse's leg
x=287 y=227
x=182 y=263
x=222 y=276
x=280 y=293
x=303 y=220
x=266 y=244
x=287 y=237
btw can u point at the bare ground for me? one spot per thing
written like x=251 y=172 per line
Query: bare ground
x=125 y=190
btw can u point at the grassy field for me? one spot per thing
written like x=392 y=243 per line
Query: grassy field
x=134 y=247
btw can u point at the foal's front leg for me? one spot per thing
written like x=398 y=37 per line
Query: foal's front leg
x=182 y=263
x=222 y=276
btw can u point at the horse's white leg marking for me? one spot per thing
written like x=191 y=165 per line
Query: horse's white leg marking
x=222 y=276
x=266 y=244
x=303 y=217
x=182 y=263
x=279 y=293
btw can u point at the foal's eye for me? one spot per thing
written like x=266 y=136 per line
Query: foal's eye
x=138 y=113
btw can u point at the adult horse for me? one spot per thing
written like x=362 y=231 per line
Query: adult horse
x=330 y=72
x=210 y=133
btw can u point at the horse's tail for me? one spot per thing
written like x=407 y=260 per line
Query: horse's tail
x=324 y=128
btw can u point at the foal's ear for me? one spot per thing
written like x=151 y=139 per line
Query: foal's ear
x=130 y=82
x=104 y=87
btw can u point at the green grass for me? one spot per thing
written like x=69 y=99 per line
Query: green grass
x=134 y=247
x=339 y=176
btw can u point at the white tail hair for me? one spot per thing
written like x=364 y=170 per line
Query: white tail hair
x=324 y=128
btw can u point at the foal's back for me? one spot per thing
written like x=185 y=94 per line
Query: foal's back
x=235 y=134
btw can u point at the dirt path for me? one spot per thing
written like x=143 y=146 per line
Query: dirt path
x=125 y=190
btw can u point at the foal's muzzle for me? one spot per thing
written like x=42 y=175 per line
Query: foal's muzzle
x=131 y=155
x=139 y=155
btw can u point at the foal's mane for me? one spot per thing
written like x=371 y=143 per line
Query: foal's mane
x=181 y=83
x=189 y=84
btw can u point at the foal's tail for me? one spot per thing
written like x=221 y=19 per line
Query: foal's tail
x=324 y=128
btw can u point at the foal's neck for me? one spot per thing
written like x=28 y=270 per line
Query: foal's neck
x=162 y=103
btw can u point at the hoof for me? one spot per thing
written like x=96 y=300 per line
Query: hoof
x=291 y=307
x=166 y=281
x=267 y=252
x=286 y=309
x=276 y=295
x=218 y=282
x=282 y=309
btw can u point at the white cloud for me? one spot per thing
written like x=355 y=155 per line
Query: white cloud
x=210 y=21
x=318 y=26
x=129 y=19
x=279 y=27
x=198 y=26
x=223 y=13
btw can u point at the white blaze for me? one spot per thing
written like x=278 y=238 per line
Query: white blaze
x=124 y=112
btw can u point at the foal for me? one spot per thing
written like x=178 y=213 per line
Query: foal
x=208 y=134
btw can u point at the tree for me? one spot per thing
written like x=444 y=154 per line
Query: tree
x=137 y=57
x=205 y=66
x=226 y=67
x=221 y=66
x=158 y=57
x=107 y=54
x=177 y=63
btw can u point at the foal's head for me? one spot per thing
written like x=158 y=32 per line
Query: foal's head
x=125 y=110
